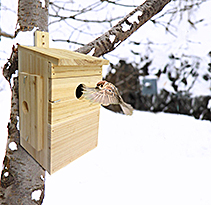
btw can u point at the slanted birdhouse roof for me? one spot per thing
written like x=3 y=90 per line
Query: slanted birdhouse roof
x=66 y=57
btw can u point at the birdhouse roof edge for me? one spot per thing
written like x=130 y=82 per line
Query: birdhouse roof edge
x=66 y=57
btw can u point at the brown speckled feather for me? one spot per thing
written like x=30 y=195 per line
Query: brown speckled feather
x=102 y=96
x=106 y=93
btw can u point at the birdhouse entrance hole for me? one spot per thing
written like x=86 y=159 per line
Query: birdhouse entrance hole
x=25 y=107
x=79 y=91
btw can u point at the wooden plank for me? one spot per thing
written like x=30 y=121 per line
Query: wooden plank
x=24 y=106
x=47 y=140
x=38 y=65
x=73 y=71
x=41 y=39
x=81 y=62
x=73 y=138
x=74 y=129
x=60 y=131
x=22 y=63
x=66 y=57
x=60 y=161
x=40 y=112
x=30 y=63
x=36 y=53
x=31 y=109
x=33 y=115
x=65 y=88
x=79 y=58
x=62 y=110
x=37 y=112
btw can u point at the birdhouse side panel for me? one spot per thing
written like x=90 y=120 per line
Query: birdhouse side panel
x=73 y=138
x=33 y=62
x=33 y=126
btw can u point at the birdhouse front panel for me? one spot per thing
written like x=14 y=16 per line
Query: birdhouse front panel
x=56 y=124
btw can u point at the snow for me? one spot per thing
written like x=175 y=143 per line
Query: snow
x=209 y=104
x=143 y=159
x=112 y=38
x=13 y=146
x=6 y=174
x=36 y=195
x=135 y=17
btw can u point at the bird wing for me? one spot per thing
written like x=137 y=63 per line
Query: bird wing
x=102 y=96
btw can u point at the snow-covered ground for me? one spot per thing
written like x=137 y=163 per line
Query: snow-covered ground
x=143 y=159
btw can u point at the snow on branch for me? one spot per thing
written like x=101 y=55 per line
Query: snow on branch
x=124 y=28
x=7 y=35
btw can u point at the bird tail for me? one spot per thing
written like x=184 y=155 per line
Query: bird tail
x=126 y=108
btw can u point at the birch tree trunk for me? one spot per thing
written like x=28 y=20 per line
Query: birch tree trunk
x=22 y=175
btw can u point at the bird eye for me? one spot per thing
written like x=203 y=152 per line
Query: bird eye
x=101 y=85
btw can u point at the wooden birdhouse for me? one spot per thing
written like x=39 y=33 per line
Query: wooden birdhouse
x=56 y=125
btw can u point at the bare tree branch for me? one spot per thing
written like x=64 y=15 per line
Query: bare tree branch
x=7 y=35
x=68 y=41
x=61 y=18
x=80 y=11
x=179 y=9
x=117 y=34
x=77 y=13
x=118 y=4
x=11 y=65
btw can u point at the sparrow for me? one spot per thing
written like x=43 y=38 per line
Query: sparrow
x=106 y=93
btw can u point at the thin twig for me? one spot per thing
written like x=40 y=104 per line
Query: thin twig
x=7 y=35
